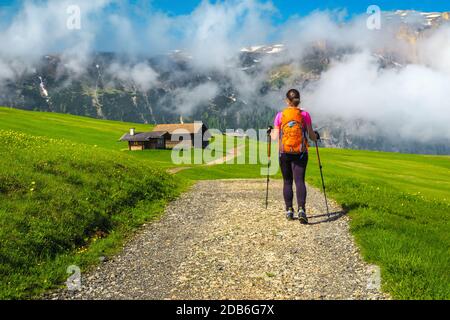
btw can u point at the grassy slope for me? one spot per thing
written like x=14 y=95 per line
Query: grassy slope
x=400 y=210
x=399 y=203
x=102 y=133
x=68 y=203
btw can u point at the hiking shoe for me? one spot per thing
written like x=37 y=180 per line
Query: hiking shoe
x=302 y=216
x=290 y=214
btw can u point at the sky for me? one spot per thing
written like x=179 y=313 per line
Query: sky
x=141 y=13
x=286 y=8
x=303 y=7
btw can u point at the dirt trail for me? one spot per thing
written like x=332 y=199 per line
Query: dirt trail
x=228 y=157
x=218 y=242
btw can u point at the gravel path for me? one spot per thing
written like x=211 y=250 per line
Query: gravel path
x=218 y=242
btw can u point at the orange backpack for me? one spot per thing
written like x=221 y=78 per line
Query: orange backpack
x=292 y=132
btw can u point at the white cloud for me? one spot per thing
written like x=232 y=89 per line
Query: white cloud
x=187 y=99
x=140 y=75
x=434 y=50
x=411 y=102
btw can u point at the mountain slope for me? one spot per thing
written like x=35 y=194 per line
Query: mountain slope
x=243 y=93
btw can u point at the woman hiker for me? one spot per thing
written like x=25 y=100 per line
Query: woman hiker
x=293 y=126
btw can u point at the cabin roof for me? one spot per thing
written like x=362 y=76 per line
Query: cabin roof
x=143 y=136
x=189 y=127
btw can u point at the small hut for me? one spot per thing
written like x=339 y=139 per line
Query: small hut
x=178 y=132
x=146 y=140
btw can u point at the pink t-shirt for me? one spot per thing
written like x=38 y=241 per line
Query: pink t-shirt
x=305 y=115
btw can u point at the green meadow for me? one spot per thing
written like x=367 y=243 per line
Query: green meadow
x=399 y=206
x=70 y=192
x=64 y=203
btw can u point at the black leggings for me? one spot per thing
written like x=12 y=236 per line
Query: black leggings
x=293 y=167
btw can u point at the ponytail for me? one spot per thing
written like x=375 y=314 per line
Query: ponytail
x=293 y=96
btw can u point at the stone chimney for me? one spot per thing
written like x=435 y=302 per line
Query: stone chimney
x=132 y=132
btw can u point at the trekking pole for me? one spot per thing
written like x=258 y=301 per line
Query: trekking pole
x=269 y=147
x=321 y=174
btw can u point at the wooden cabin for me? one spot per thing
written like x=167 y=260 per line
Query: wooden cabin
x=180 y=131
x=162 y=135
x=146 y=140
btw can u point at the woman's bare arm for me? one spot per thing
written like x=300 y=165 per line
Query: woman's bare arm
x=275 y=133
x=311 y=133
